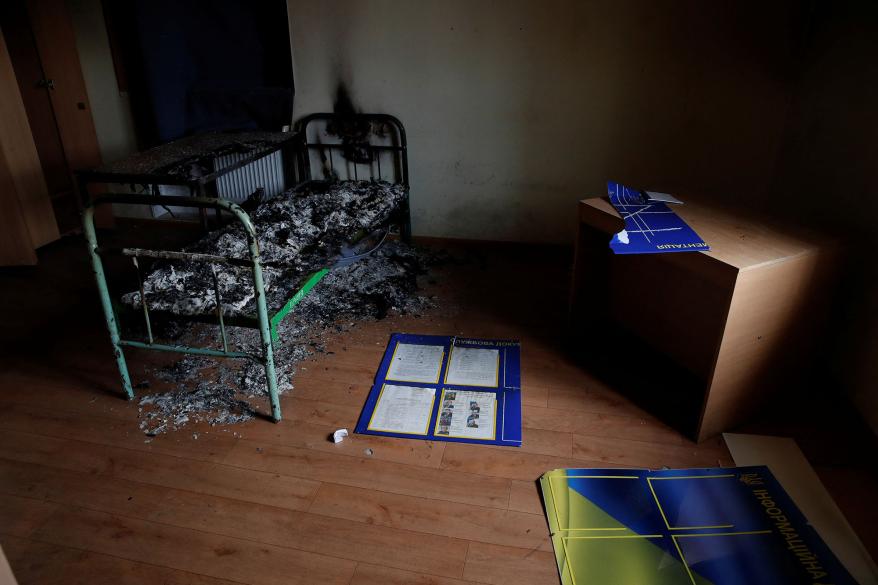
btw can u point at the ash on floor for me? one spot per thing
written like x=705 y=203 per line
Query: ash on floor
x=218 y=392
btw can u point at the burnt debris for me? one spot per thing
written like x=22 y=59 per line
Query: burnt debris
x=381 y=283
x=298 y=233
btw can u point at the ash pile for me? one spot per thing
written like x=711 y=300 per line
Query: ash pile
x=307 y=233
x=298 y=233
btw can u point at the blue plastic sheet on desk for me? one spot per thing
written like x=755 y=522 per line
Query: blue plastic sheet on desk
x=650 y=226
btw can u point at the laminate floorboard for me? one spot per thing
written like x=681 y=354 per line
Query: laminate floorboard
x=86 y=497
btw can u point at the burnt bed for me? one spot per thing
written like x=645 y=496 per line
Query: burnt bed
x=340 y=191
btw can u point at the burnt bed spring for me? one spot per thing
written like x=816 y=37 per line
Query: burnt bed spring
x=252 y=271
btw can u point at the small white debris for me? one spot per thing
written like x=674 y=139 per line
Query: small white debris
x=339 y=435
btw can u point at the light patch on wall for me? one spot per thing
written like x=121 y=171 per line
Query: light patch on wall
x=110 y=110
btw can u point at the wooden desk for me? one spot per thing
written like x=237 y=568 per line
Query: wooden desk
x=741 y=317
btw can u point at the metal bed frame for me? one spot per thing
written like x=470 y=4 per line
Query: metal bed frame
x=306 y=140
x=396 y=153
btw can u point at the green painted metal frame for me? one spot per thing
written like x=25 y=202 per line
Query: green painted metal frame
x=266 y=325
x=294 y=300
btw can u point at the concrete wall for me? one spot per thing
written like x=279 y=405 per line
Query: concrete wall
x=517 y=109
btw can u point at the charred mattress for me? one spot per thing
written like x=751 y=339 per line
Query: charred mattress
x=298 y=233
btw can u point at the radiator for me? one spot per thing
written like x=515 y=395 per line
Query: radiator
x=267 y=172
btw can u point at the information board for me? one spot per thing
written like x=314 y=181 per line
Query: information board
x=726 y=526
x=447 y=388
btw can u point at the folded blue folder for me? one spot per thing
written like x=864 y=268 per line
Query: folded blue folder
x=650 y=226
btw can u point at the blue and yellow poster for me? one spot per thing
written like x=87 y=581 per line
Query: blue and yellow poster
x=727 y=526
x=448 y=389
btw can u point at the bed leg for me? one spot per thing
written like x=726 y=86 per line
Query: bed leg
x=107 y=305
x=270 y=373
x=267 y=352
x=271 y=378
x=264 y=330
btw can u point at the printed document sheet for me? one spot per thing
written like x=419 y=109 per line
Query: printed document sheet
x=403 y=409
x=472 y=366
x=416 y=363
x=467 y=414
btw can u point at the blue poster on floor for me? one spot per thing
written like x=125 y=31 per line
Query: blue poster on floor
x=726 y=526
x=650 y=226
x=447 y=389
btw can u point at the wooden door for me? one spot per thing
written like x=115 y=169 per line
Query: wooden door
x=16 y=246
x=56 y=44
x=27 y=221
x=35 y=87
x=42 y=46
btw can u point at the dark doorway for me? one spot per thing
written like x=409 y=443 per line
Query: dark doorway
x=193 y=66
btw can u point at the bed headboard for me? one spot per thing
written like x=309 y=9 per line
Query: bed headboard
x=353 y=147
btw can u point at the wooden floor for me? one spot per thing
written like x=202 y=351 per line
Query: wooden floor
x=86 y=498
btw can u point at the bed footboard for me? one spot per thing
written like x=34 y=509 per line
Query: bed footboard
x=263 y=323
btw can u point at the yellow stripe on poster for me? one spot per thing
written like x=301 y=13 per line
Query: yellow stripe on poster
x=749 y=533
x=595 y=477
x=683 y=559
x=691 y=477
x=613 y=536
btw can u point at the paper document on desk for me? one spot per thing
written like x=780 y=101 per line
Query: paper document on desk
x=661 y=197
x=650 y=226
